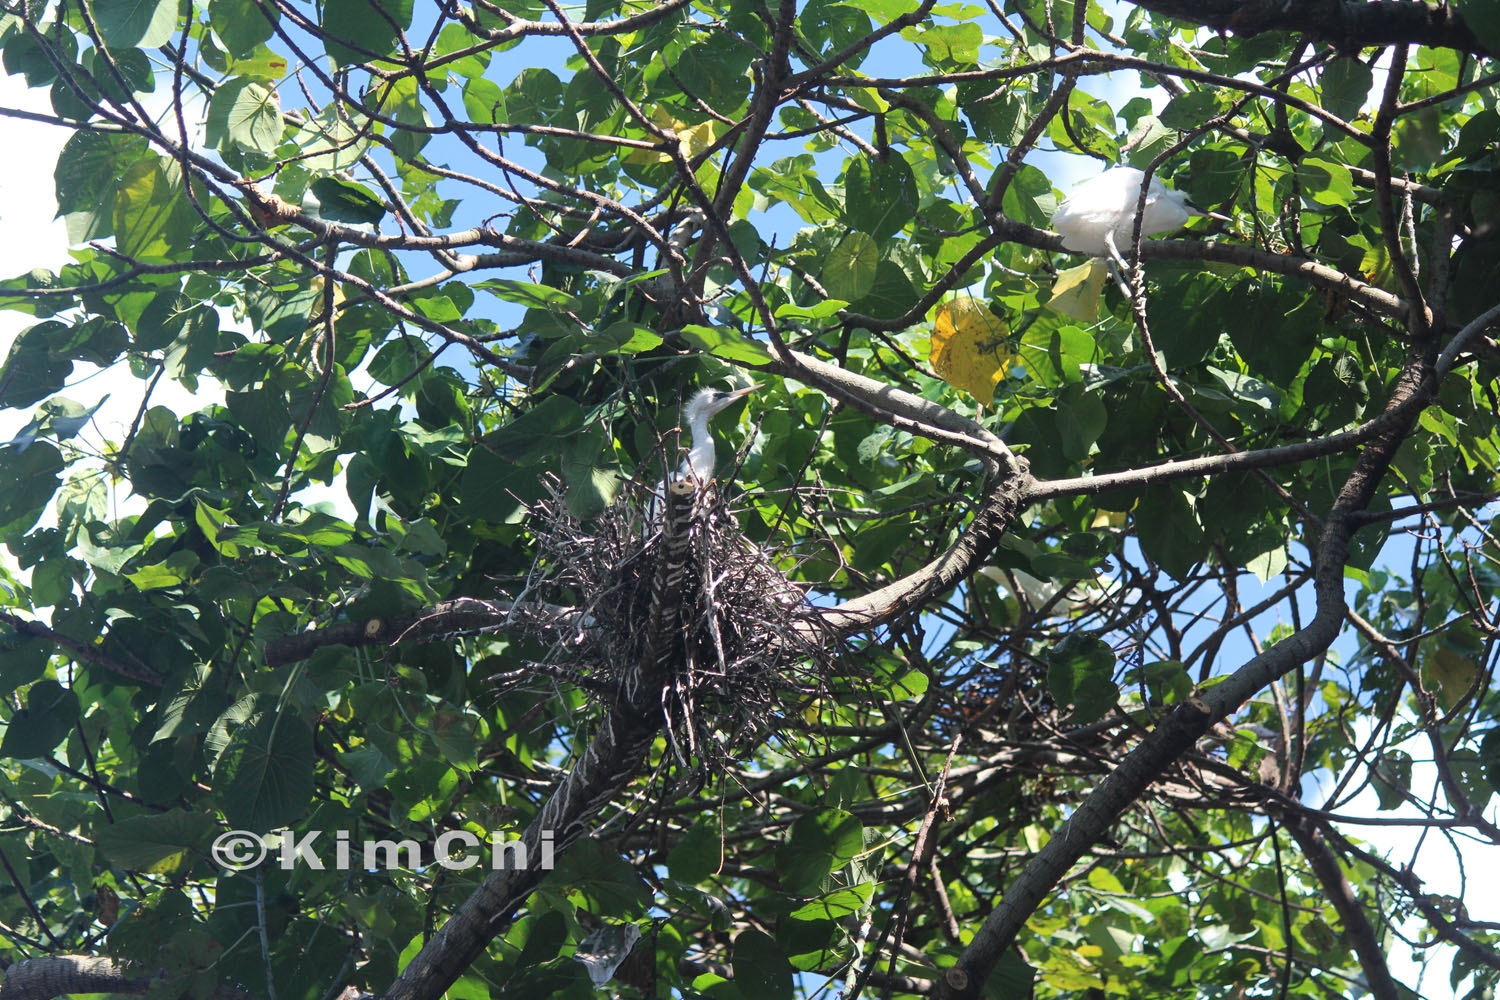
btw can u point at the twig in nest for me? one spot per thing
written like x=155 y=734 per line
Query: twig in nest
x=738 y=669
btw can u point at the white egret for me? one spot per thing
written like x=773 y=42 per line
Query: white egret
x=702 y=407
x=698 y=467
x=1102 y=210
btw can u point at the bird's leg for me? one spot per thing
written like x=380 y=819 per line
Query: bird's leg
x=1118 y=269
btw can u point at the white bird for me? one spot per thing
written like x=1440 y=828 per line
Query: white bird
x=701 y=456
x=1102 y=209
x=697 y=468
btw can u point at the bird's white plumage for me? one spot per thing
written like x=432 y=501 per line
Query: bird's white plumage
x=701 y=457
x=698 y=466
x=1105 y=205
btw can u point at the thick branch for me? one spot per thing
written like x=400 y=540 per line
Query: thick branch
x=1355 y=24
x=465 y=615
x=59 y=975
x=63 y=975
x=84 y=652
x=915 y=589
x=1361 y=934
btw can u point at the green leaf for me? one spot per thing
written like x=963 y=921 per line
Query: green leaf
x=245 y=113
x=191 y=704
x=1346 y=84
x=1168 y=682
x=1250 y=390
x=894 y=293
x=1169 y=530
x=1093 y=126
x=626 y=338
x=484 y=101
x=697 y=855
x=534 y=96
x=23 y=658
x=32 y=370
x=1013 y=978
x=32 y=476
x=157 y=843
x=328 y=142
x=260 y=64
x=1483 y=18
x=264 y=777
x=540 y=431
x=1275 y=331
x=361 y=30
x=723 y=342
x=996 y=114
x=344 y=201
x=822 y=310
x=1055 y=355
x=1080 y=672
x=528 y=293
x=88 y=170
x=172 y=316
x=834 y=26
x=1190 y=110
x=849 y=273
x=368 y=766
x=948 y=46
x=25 y=54
x=880 y=197
x=143 y=206
x=136 y=23
x=1391 y=777
x=1081 y=418
x=601 y=880
x=1148 y=139
x=715 y=67
x=1325 y=181
x=819 y=843
x=760 y=967
x=243 y=24
x=497 y=491
x=50 y=714
x=175 y=569
x=837 y=904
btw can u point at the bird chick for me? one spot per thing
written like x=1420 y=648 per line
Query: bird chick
x=703 y=406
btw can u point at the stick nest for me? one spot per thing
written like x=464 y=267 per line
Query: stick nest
x=748 y=651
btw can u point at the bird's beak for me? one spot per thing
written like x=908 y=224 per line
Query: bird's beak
x=1206 y=213
x=741 y=393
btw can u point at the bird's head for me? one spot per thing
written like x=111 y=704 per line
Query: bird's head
x=699 y=463
x=709 y=401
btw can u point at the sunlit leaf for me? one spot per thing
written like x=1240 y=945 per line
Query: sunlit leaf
x=1076 y=291
x=970 y=347
x=143 y=23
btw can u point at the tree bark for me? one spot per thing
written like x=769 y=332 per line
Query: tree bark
x=1349 y=24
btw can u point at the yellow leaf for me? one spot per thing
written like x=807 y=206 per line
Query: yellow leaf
x=1376 y=268
x=698 y=138
x=317 y=306
x=1076 y=291
x=969 y=347
x=1108 y=519
x=694 y=139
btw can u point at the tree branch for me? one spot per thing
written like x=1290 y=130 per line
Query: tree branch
x=1350 y=24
